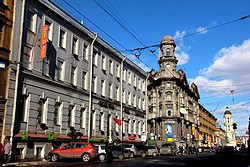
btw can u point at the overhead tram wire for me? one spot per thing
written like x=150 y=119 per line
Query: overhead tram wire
x=188 y=35
x=124 y=27
x=103 y=31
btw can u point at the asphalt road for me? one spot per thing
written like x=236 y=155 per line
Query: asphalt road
x=202 y=159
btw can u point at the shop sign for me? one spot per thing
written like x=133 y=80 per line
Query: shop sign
x=25 y=135
x=52 y=136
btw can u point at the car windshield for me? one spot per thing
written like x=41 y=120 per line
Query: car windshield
x=166 y=145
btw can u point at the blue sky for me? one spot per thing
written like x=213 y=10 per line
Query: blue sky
x=213 y=43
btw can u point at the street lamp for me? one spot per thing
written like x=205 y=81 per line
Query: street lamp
x=146 y=90
x=121 y=96
x=90 y=85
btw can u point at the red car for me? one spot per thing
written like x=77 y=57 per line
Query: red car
x=83 y=150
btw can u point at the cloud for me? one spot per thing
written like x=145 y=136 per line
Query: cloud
x=182 y=58
x=180 y=50
x=230 y=68
x=201 y=30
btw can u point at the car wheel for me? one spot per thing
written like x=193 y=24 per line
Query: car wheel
x=132 y=155
x=154 y=154
x=102 y=157
x=120 y=156
x=54 y=157
x=143 y=154
x=86 y=157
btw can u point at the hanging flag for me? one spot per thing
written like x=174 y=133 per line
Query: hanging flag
x=43 y=41
x=118 y=121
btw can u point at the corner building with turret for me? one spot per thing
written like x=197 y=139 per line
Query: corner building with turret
x=172 y=103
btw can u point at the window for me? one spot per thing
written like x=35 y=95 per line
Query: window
x=110 y=66
x=43 y=110
x=169 y=112
x=28 y=56
x=26 y=107
x=135 y=127
x=31 y=21
x=50 y=29
x=139 y=83
x=167 y=52
x=143 y=86
x=84 y=80
x=101 y=121
x=95 y=57
x=143 y=104
x=110 y=90
x=134 y=100
x=124 y=74
x=60 y=70
x=103 y=65
x=129 y=126
x=168 y=85
x=139 y=102
x=73 y=76
x=103 y=87
x=83 y=121
x=135 y=81
x=46 y=65
x=129 y=78
x=71 y=116
x=57 y=113
x=129 y=98
x=62 y=39
x=169 y=97
x=124 y=96
x=168 y=66
x=74 y=46
x=118 y=70
x=117 y=92
x=85 y=52
x=94 y=84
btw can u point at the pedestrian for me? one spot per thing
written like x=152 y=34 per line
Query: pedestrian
x=7 y=150
x=181 y=149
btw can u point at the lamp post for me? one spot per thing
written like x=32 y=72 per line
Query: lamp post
x=121 y=96
x=90 y=86
x=146 y=91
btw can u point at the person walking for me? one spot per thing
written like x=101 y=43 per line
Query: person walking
x=7 y=150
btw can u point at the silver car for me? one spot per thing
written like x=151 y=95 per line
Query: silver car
x=130 y=147
x=153 y=150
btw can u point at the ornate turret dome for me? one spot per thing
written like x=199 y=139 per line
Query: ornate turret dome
x=167 y=38
x=227 y=111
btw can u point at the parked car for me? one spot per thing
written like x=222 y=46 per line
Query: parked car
x=130 y=147
x=168 y=148
x=1 y=155
x=101 y=151
x=119 y=152
x=153 y=150
x=141 y=150
x=83 y=150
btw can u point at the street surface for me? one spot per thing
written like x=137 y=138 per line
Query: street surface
x=202 y=159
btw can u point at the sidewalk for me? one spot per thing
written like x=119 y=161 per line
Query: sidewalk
x=27 y=162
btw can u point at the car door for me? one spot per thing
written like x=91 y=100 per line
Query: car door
x=66 y=150
x=78 y=150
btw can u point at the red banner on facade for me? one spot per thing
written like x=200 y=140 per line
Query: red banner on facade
x=43 y=42
x=118 y=121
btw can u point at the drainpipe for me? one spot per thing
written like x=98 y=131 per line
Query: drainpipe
x=90 y=85
x=146 y=100
x=121 y=98
x=17 y=74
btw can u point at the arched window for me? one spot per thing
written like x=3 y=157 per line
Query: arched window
x=169 y=112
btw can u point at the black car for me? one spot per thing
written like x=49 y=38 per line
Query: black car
x=119 y=152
